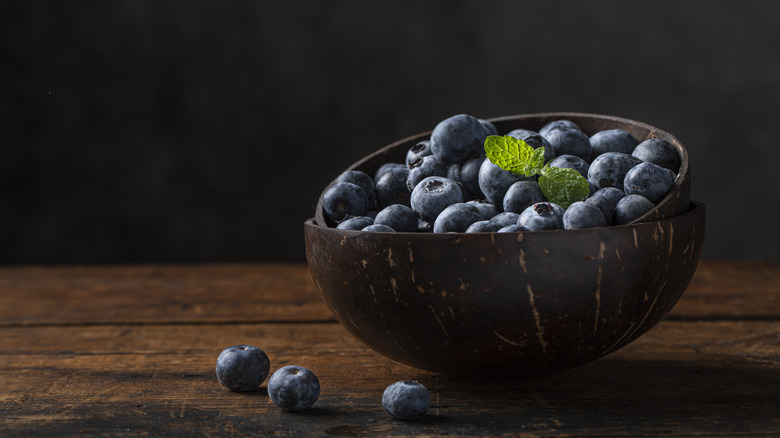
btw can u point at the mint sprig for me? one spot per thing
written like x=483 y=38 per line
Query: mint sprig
x=559 y=185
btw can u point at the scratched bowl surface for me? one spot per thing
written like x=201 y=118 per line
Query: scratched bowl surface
x=531 y=303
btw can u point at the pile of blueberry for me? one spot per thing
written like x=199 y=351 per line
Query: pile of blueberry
x=448 y=185
x=293 y=388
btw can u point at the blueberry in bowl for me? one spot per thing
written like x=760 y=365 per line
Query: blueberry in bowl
x=513 y=299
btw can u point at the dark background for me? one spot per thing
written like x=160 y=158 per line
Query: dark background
x=193 y=131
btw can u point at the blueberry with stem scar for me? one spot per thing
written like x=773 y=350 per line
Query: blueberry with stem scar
x=293 y=388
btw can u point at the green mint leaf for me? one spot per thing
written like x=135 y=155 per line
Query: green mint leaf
x=513 y=155
x=537 y=158
x=563 y=186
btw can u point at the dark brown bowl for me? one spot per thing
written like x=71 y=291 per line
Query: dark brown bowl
x=676 y=202
x=531 y=303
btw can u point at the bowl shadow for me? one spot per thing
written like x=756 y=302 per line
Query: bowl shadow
x=631 y=396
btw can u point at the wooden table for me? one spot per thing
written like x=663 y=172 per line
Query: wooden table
x=131 y=350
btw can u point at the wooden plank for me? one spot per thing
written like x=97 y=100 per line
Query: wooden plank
x=723 y=289
x=680 y=379
x=36 y=295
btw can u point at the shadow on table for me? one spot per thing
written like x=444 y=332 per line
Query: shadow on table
x=615 y=394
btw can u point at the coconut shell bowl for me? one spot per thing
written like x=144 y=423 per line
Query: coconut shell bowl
x=528 y=303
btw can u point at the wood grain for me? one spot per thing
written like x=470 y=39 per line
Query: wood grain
x=732 y=290
x=37 y=295
x=682 y=378
x=131 y=350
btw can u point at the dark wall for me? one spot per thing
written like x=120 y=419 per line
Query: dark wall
x=161 y=131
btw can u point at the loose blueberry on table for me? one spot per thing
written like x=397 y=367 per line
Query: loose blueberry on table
x=242 y=368
x=522 y=181
x=406 y=400
x=293 y=388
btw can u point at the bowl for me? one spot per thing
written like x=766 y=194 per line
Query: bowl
x=530 y=303
x=676 y=201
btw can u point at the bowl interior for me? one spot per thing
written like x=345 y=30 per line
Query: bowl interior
x=676 y=202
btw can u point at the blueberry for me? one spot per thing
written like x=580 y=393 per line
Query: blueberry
x=458 y=138
x=434 y=194
x=423 y=168
x=406 y=400
x=649 y=180
x=609 y=169
x=631 y=207
x=242 y=368
x=567 y=161
x=535 y=140
x=522 y=194
x=570 y=142
x=387 y=167
x=355 y=223
x=558 y=124
x=486 y=226
x=456 y=218
x=342 y=199
x=293 y=388
x=514 y=228
x=391 y=187
x=379 y=228
x=495 y=181
x=582 y=214
x=424 y=226
x=398 y=217
x=364 y=181
x=506 y=218
x=606 y=199
x=454 y=173
x=419 y=150
x=467 y=174
x=542 y=216
x=613 y=140
x=487 y=209
x=658 y=151
x=489 y=127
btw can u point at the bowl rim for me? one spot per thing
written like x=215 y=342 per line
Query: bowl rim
x=543 y=117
